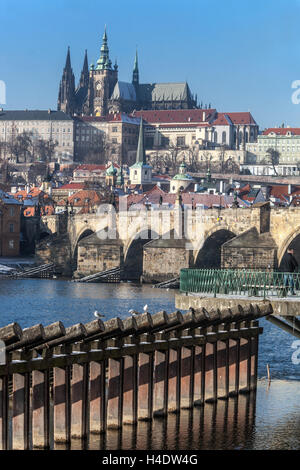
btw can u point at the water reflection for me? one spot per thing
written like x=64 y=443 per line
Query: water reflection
x=268 y=420
x=225 y=425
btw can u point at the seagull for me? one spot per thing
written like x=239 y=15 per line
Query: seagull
x=98 y=315
x=133 y=312
x=145 y=308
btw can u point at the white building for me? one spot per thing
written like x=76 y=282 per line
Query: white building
x=54 y=126
x=206 y=127
x=285 y=141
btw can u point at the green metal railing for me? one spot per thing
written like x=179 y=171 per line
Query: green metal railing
x=239 y=282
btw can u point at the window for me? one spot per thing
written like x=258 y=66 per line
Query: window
x=114 y=140
x=149 y=142
x=115 y=129
x=11 y=228
x=11 y=211
x=11 y=244
x=165 y=141
x=180 y=141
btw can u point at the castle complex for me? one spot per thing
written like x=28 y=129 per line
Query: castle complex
x=100 y=92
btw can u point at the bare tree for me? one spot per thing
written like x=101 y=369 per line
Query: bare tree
x=45 y=149
x=20 y=146
x=273 y=158
x=230 y=166
x=102 y=150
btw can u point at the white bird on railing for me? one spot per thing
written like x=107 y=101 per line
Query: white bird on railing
x=145 y=308
x=98 y=315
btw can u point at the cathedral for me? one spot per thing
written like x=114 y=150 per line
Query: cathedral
x=100 y=92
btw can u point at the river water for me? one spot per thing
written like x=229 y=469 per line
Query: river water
x=271 y=420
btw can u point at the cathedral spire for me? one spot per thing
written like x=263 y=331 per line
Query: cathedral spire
x=66 y=94
x=103 y=62
x=84 y=78
x=68 y=60
x=135 y=73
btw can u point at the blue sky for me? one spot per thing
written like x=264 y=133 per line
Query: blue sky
x=239 y=55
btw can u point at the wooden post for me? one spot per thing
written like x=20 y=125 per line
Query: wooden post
x=40 y=408
x=20 y=420
x=253 y=361
x=61 y=398
x=4 y=413
x=145 y=386
x=186 y=378
x=173 y=381
x=233 y=367
x=79 y=400
x=160 y=383
x=114 y=399
x=129 y=389
x=97 y=397
x=199 y=375
x=244 y=360
x=210 y=372
x=222 y=369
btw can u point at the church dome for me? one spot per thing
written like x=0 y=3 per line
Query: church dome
x=111 y=171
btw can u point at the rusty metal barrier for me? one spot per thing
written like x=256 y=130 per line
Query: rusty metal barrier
x=60 y=383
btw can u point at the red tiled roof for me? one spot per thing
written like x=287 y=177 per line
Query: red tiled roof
x=208 y=200
x=108 y=117
x=79 y=198
x=235 y=118
x=45 y=210
x=34 y=192
x=91 y=167
x=282 y=131
x=176 y=115
x=72 y=186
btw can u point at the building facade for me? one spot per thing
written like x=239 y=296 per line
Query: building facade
x=113 y=137
x=100 y=92
x=202 y=135
x=50 y=126
x=285 y=143
x=10 y=225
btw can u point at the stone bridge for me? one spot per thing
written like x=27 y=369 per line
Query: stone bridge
x=106 y=239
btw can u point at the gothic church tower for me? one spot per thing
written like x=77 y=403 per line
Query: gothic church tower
x=66 y=95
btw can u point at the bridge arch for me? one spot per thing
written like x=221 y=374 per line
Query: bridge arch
x=86 y=232
x=208 y=255
x=133 y=252
x=291 y=241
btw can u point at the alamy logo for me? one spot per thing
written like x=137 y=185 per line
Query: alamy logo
x=296 y=353
x=2 y=92
x=296 y=94
x=2 y=353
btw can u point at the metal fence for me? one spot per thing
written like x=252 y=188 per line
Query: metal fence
x=239 y=282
